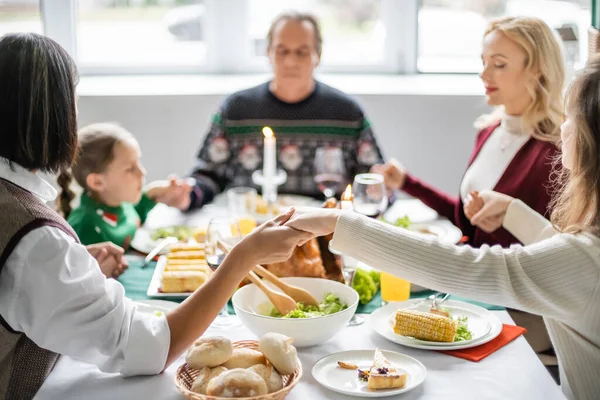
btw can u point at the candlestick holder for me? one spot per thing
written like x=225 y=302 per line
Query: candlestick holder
x=269 y=189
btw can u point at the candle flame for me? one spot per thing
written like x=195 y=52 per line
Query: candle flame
x=347 y=195
x=268 y=132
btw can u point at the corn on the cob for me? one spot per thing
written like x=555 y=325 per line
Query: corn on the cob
x=425 y=326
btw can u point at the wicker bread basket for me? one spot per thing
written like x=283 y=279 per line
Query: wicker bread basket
x=185 y=376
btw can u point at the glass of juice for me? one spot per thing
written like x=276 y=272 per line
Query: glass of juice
x=242 y=205
x=394 y=289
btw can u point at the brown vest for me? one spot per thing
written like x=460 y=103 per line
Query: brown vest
x=23 y=365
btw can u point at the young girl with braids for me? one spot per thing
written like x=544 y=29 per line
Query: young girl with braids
x=114 y=203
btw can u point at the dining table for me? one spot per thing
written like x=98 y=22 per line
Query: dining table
x=512 y=372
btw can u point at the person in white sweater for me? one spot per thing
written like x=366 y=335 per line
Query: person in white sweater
x=556 y=273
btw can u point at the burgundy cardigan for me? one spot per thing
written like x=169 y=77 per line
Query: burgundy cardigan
x=527 y=177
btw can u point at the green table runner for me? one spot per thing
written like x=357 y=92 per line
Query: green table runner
x=135 y=281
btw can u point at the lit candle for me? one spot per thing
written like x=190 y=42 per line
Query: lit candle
x=347 y=199
x=269 y=160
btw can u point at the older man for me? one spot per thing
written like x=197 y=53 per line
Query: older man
x=305 y=114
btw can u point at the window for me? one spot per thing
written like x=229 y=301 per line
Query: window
x=451 y=31
x=353 y=31
x=140 y=34
x=229 y=36
x=226 y=36
x=20 y=16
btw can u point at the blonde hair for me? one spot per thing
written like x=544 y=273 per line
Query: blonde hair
x=576 y=208
x=544 y=115
x=95 y=152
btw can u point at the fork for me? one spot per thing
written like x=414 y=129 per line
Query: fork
x=435 y=303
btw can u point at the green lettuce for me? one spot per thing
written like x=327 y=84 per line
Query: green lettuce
x=366 y=284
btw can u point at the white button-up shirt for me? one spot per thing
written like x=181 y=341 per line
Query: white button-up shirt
x=52 y=289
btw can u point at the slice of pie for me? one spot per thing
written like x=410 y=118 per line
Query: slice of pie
x=383 y=375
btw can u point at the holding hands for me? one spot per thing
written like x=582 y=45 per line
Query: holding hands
x=486 y=209
x=109 y=257
x=175 y=192
x=274 y=241
x=316 y=221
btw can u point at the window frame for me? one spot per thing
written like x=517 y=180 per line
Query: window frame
x=227 y=45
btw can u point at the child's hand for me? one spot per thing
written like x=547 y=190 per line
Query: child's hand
x=109 y=257
x=272 y=241
x=175 y=192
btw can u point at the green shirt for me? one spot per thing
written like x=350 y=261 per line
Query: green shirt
x=95 y=222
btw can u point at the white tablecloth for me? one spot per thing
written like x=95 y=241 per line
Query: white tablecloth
x=513 y=372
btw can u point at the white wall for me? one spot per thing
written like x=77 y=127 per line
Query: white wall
x=432 y=135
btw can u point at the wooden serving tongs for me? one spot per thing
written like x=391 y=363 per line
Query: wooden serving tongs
x=283 y=302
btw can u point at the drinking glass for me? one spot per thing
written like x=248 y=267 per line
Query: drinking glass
x=242 y=205
x=329 y=170
x=370 y=196
x=226 y=230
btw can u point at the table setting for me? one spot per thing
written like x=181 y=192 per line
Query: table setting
x=357 y=332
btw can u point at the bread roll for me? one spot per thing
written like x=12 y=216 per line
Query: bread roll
x=244 y=358
x=270 y=375
x=205 y=376
x=279 y=351
x=237 y=383
x=209 y=352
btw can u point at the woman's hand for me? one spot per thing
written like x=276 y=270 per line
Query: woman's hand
x=317 y=221
x=175 y=192
x=472 y=204
x=272 y=241
x=491 y=215
x=110 y=258
x=393 y=173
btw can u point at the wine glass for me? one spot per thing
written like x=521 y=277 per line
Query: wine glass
x=370 y=196
x=348 y=270
x=226 y=230
x=329 y=170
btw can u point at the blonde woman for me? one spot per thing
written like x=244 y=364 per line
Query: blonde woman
x=556 y=274
x=523 y=74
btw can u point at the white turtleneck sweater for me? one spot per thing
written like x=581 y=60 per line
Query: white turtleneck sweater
x=495 y=155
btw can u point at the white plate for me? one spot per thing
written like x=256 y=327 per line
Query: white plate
x=416 y=211
x=380 y=322
x=154 y=306
x=444 y=230
x=156 y=283
x=143 y=242
x=478 y=325
x=329 y=374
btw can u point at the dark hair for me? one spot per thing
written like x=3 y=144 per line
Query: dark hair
x=298 y=17
x=95 y=152
x=38 y=116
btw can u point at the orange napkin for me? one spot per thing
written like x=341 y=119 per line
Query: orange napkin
x=478 y=353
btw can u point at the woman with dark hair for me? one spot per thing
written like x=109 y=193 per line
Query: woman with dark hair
x=53 y=298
